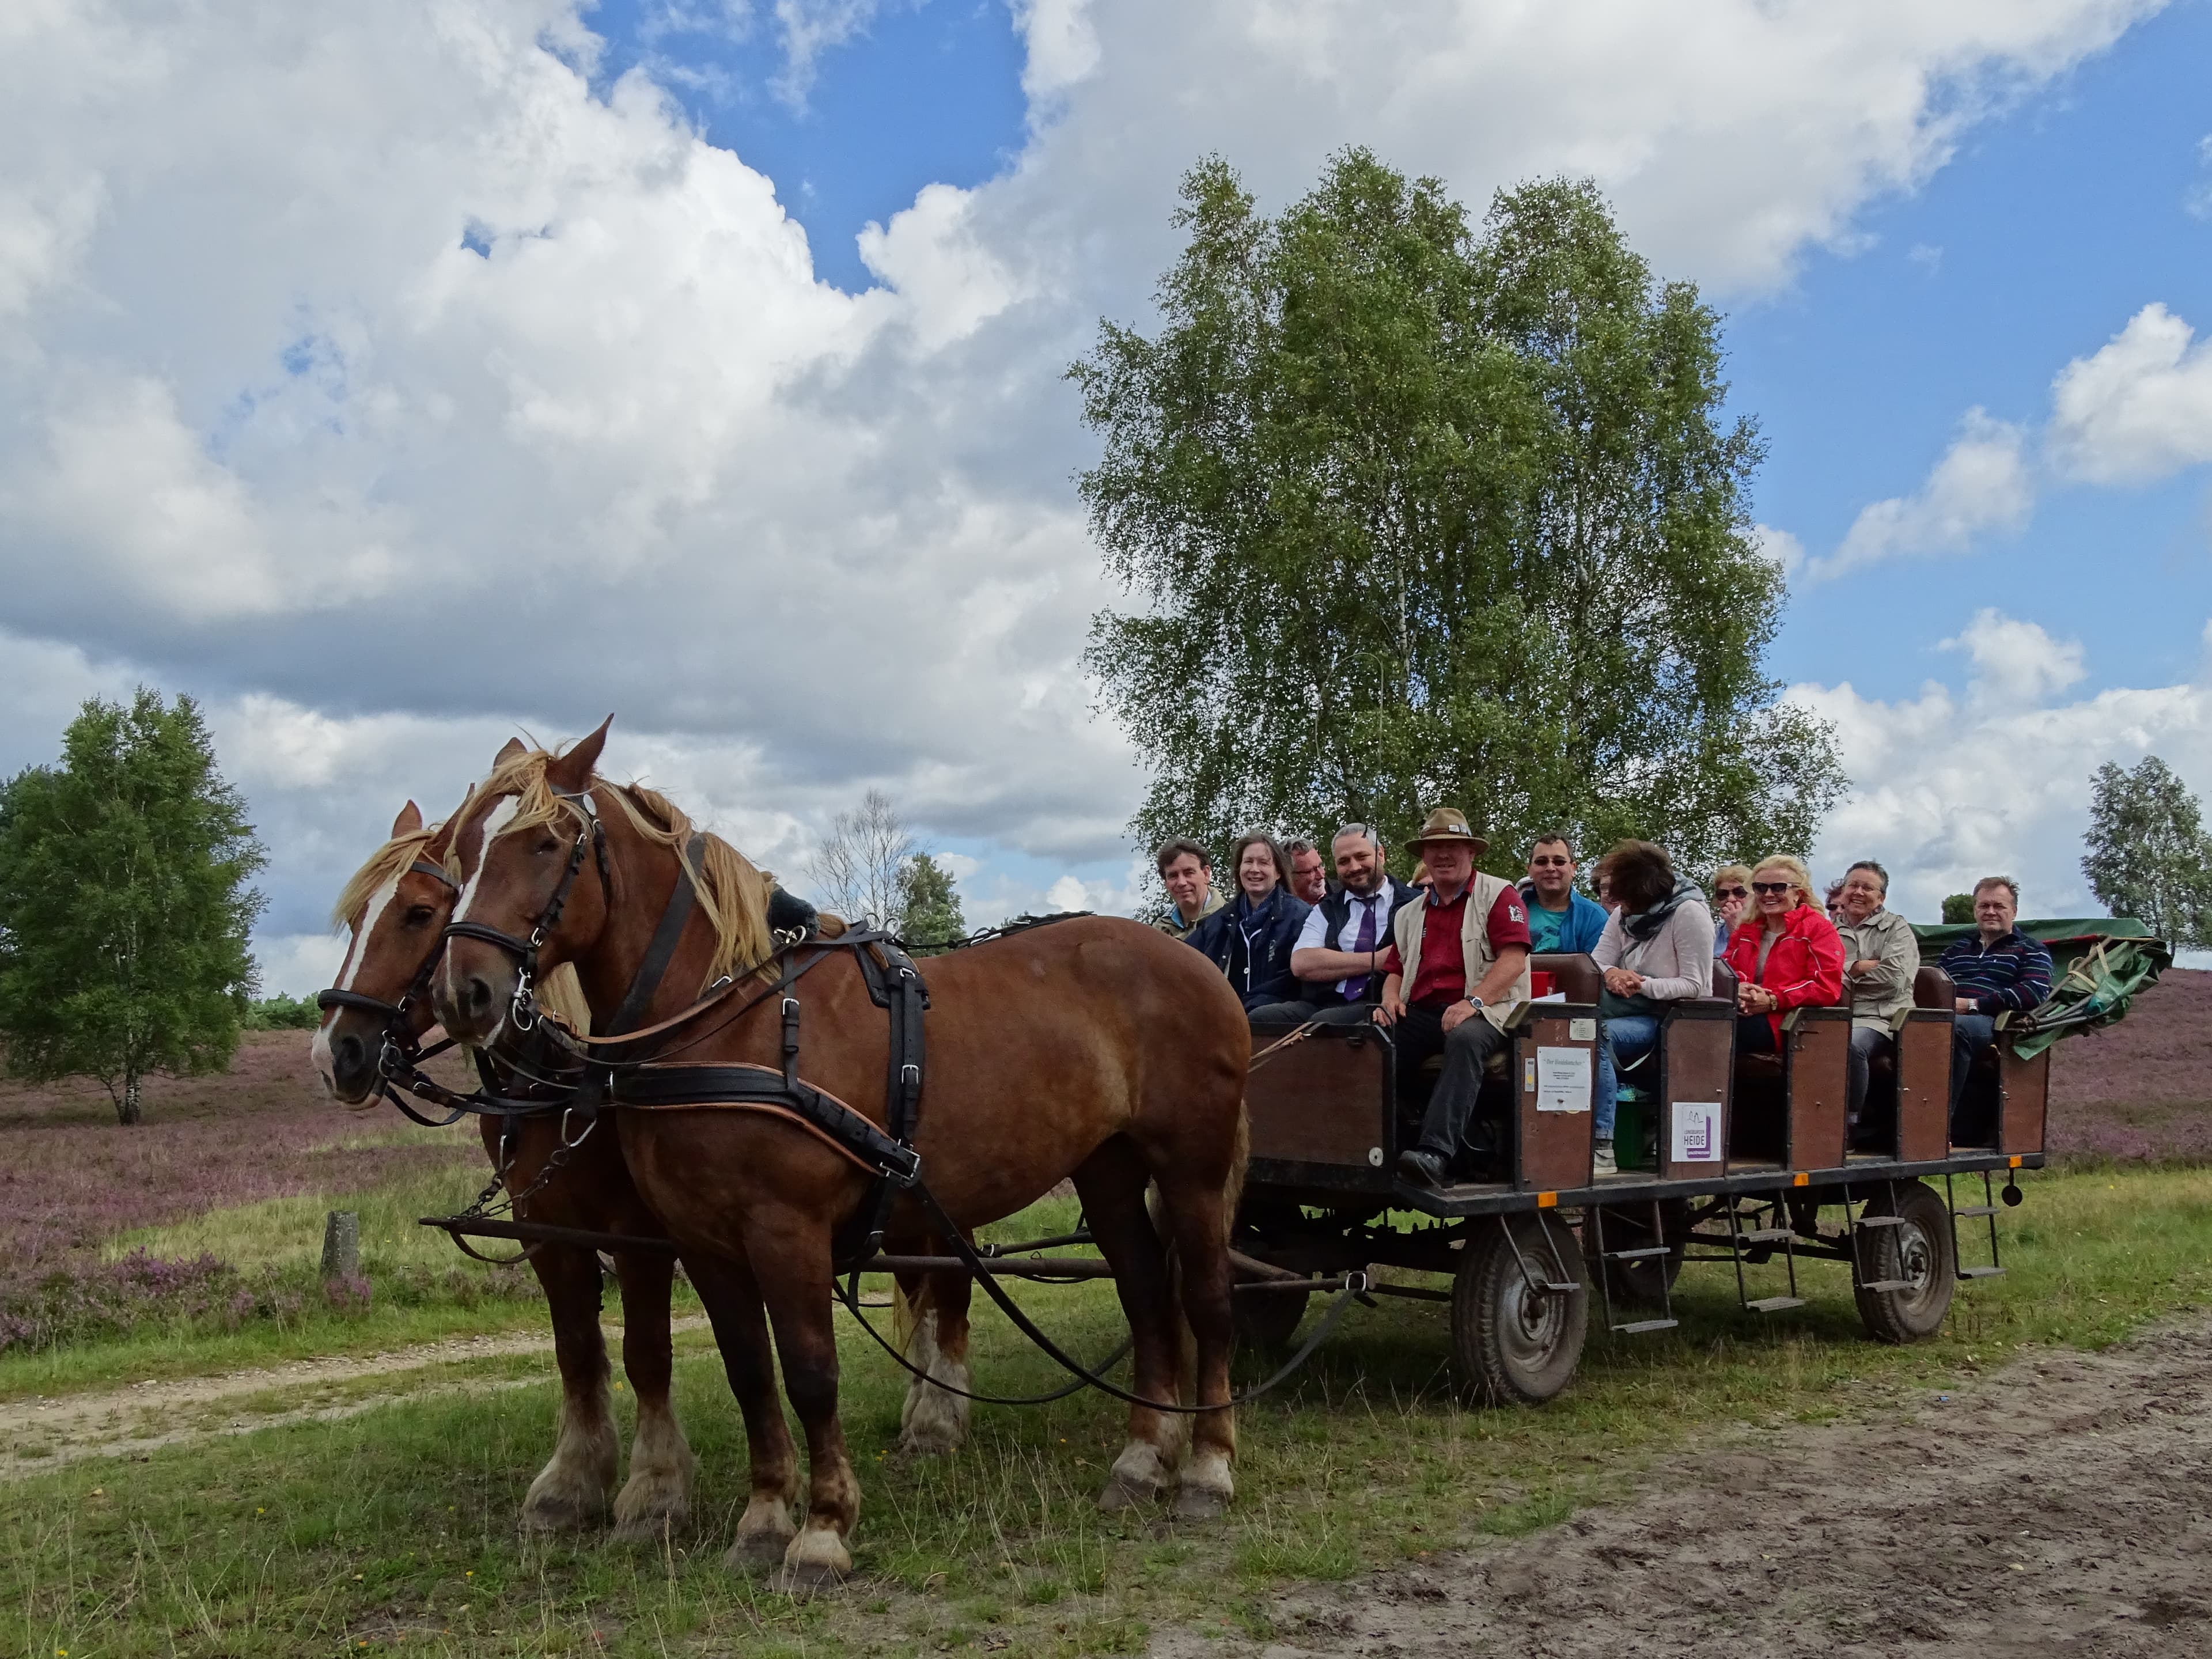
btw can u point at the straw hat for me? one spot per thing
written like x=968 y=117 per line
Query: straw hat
x=1447 y=823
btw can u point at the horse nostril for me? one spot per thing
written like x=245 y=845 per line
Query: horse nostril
x=347 y=1056
x=478 y=995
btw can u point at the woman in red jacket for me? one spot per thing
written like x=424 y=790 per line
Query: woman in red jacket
x=1786 y=954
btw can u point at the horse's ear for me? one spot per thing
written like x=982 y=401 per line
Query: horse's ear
x=571 y=772
x=409 y=821
x=507 y=751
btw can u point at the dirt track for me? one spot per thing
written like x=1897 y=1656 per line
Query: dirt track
x=38 y=1433
x=2062 y=1506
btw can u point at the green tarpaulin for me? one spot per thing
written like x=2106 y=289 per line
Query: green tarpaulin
x=2100 y=962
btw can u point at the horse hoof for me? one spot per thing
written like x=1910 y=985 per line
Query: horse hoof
x=653 y=1529
x=806 y=1581
x=551 y=1514
x=1120 y=1494
x=764 y=1534
x=1198 y=1504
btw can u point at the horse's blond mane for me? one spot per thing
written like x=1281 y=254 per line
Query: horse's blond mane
x=733 y=892
x=394 y=858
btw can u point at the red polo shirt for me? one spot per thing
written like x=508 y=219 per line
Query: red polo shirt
x=1441 y=979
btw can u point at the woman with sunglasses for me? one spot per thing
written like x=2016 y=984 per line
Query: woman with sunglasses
x=1731 y=896
x=1787 y=955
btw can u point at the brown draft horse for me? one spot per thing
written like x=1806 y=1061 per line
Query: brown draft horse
x=396 y=910
x=1097 y=1048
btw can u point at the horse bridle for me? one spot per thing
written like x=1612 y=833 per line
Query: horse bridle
x=400 y=1058
x=592 y=836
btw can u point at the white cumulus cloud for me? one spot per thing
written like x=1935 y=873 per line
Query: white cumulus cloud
x=1982 y=486
x=2139 y=408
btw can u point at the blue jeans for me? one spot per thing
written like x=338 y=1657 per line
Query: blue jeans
x=1621 y=1041
x=1607 y=1092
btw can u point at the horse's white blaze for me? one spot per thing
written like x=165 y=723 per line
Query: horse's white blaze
x=325 y=1062
x=496 y=820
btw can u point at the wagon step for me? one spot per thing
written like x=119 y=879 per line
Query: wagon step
x=1775 y=1304
x=1637 y=1255
x=1878 y=1221
x=1636 y=1327
x=1887 y=1284
x=1766 y=1234
x=1975 y=1209
x=1981 y=1272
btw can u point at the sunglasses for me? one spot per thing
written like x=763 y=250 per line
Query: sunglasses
x=1547 y=858
x=1769 y=887
x=1731 y=892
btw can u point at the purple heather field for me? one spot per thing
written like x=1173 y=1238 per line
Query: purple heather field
x=71 y=1180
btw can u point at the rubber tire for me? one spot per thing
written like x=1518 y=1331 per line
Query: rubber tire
x=1922 y=1250
x=1512 y=1345
x=1639 y=1284
x=1265 y=1321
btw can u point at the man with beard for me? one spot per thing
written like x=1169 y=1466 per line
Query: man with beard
x=1336 y=955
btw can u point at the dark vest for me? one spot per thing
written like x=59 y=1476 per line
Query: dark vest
x=1335 y=908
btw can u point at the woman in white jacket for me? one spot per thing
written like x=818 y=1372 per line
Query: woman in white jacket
x=1656 y=949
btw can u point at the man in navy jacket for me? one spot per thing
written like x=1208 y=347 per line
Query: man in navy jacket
x=1999 y=971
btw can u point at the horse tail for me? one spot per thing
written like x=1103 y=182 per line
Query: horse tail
x=905 y=1314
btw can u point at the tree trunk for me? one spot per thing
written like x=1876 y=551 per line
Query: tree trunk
x=127 y=1110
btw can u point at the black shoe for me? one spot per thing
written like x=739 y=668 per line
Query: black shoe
x=1423 y=1169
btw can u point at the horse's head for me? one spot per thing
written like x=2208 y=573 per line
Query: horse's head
x=531 y=854
x=395 y=907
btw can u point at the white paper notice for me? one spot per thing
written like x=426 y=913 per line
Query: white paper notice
x=1563 y=1079
x=1696 y=1131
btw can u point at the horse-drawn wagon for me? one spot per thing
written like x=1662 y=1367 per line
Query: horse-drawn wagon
x=1723 y=1156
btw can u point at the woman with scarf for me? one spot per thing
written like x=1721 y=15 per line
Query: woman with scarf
x=1658 y=948
x=1251 y=939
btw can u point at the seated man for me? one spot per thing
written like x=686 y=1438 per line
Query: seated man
x=1339 y=953
x=1999 y=971
x=1880 y=958
x=1309 y=878
x=1456 y=970
x=1187 y=871
x=1560 y=920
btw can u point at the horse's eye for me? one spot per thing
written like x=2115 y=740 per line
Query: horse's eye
x=548 y=845
x=420 y=916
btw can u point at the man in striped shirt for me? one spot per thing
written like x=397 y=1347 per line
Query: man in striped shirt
x=1999 y=971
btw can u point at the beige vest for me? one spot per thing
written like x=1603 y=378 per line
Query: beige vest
x=1408 y=919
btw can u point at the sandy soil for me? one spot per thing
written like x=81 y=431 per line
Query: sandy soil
x=39 y=1434
x=2058 y=1508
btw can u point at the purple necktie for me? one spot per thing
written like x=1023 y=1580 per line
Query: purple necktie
x=1354 y=989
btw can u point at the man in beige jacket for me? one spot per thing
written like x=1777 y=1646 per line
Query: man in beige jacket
x=1880 y=958
x=1457 y=969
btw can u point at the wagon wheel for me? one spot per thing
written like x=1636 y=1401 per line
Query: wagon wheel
x=1920 y=1257
x=1515 y=1343
x=1646 y=1281
x=1267 y=1319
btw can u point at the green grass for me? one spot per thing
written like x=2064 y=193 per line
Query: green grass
x=395 y=1527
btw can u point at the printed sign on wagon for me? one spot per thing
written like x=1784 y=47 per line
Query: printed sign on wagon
x=1563 y=1079
x=1697 y=1132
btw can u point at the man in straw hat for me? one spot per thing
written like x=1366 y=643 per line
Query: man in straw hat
x=1468 y=945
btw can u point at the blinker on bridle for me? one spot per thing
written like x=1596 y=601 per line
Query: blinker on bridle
x=590 y=834
x=336 y=998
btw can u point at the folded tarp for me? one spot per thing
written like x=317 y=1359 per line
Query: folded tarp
x=2098 y=963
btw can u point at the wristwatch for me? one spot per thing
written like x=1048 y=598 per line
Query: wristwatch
x=1474 y=1002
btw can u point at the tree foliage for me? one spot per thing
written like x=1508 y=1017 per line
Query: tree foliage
x=1958 y=907
x=929 y=911
x=125 y=908
x=2146 y=853
x=1421 y=513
